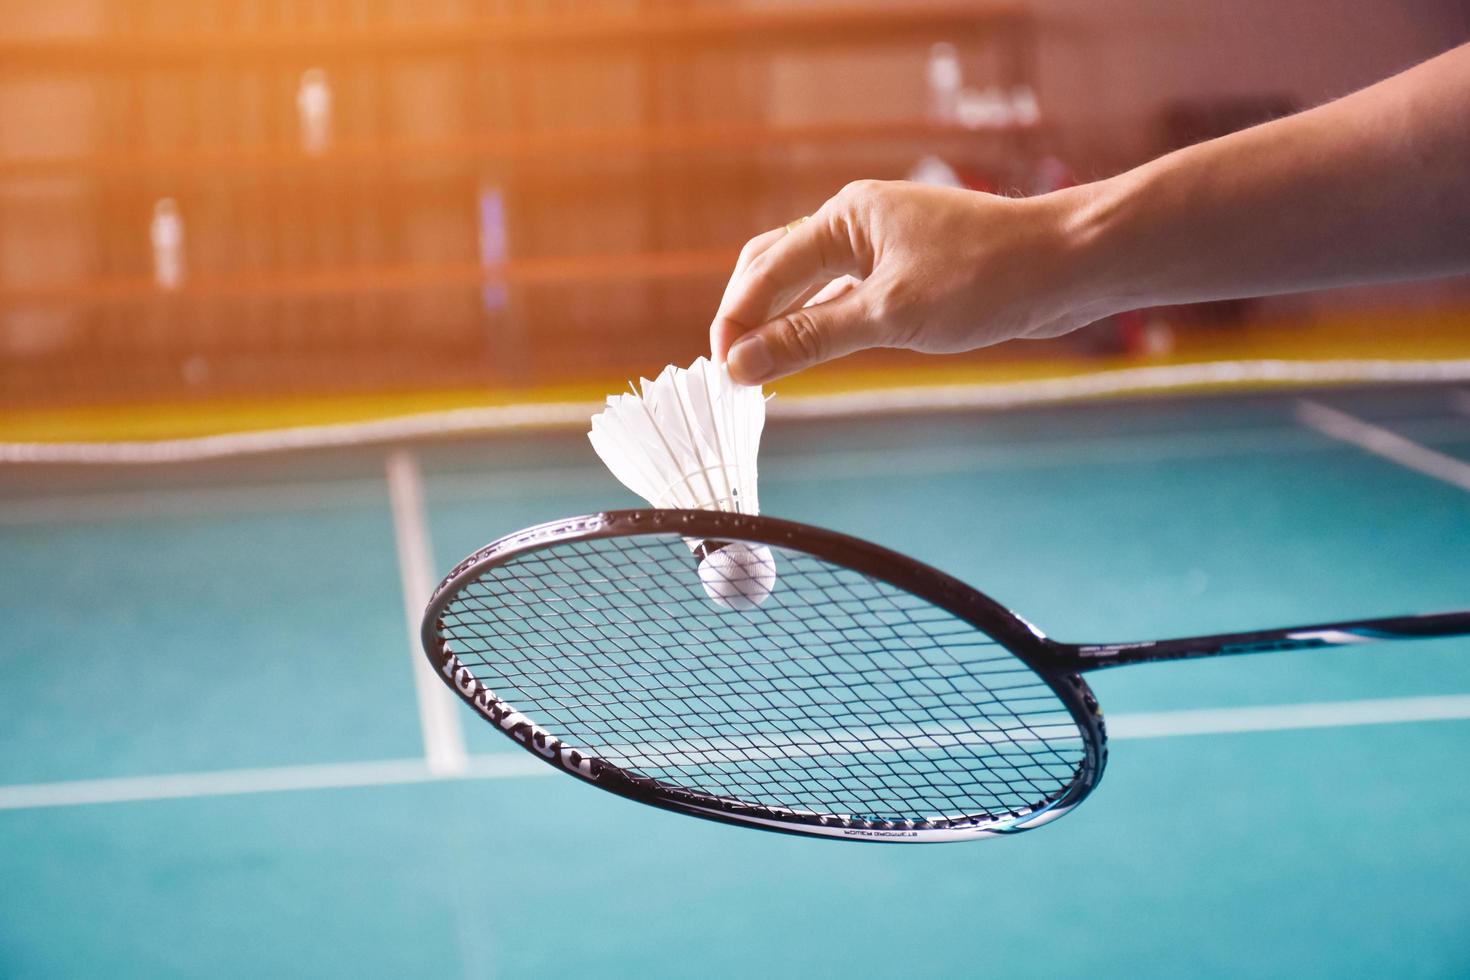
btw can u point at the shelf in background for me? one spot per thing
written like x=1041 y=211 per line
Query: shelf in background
x=340 y=233
x=624 y=267
x=511 y=147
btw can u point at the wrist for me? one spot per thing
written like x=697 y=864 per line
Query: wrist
x=1101 y=246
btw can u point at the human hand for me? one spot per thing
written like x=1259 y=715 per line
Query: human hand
x=897 y=264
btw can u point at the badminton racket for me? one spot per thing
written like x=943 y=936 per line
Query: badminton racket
x=869 y=697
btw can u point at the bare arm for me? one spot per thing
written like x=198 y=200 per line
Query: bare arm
x=1372 y=187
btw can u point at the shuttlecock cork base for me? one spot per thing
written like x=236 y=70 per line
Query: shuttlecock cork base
x=736 y=575
x=689 y=439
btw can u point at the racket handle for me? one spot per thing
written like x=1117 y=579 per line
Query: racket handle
x=1088 y=656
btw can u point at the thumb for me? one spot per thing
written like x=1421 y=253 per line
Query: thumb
x=802 y=338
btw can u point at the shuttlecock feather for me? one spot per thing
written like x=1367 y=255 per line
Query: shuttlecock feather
x=689 y=439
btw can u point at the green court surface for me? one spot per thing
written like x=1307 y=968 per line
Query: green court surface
x=198 y=658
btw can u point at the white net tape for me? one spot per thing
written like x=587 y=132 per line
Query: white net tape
x=922 y=398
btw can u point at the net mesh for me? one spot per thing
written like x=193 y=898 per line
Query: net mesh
x=840 y=695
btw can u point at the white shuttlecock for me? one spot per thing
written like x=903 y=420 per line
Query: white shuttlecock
x=689 y=439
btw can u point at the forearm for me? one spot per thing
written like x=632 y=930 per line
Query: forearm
x=1374 y=186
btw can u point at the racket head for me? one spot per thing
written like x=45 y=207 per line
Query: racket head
x=589 y=642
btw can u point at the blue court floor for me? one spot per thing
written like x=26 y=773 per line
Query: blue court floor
x=212 y=747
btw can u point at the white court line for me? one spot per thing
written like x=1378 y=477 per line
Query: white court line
x=390 y=772
x=438 y=716
x=1121 y=381
x=237 y=782
x=428 y=425
x=1383 y=442
x=1283 y=717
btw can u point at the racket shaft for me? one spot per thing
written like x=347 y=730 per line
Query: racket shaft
x=1084 y=657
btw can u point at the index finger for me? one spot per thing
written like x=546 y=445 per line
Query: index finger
x=808 y=256
x=753 y=249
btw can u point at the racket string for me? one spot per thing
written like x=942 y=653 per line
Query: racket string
x=840 y=695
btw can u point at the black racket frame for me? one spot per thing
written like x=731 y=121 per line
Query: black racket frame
x=880 y=563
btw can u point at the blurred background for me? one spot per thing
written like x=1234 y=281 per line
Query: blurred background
x=215 y=200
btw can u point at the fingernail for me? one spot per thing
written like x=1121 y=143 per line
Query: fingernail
x=750 y=359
